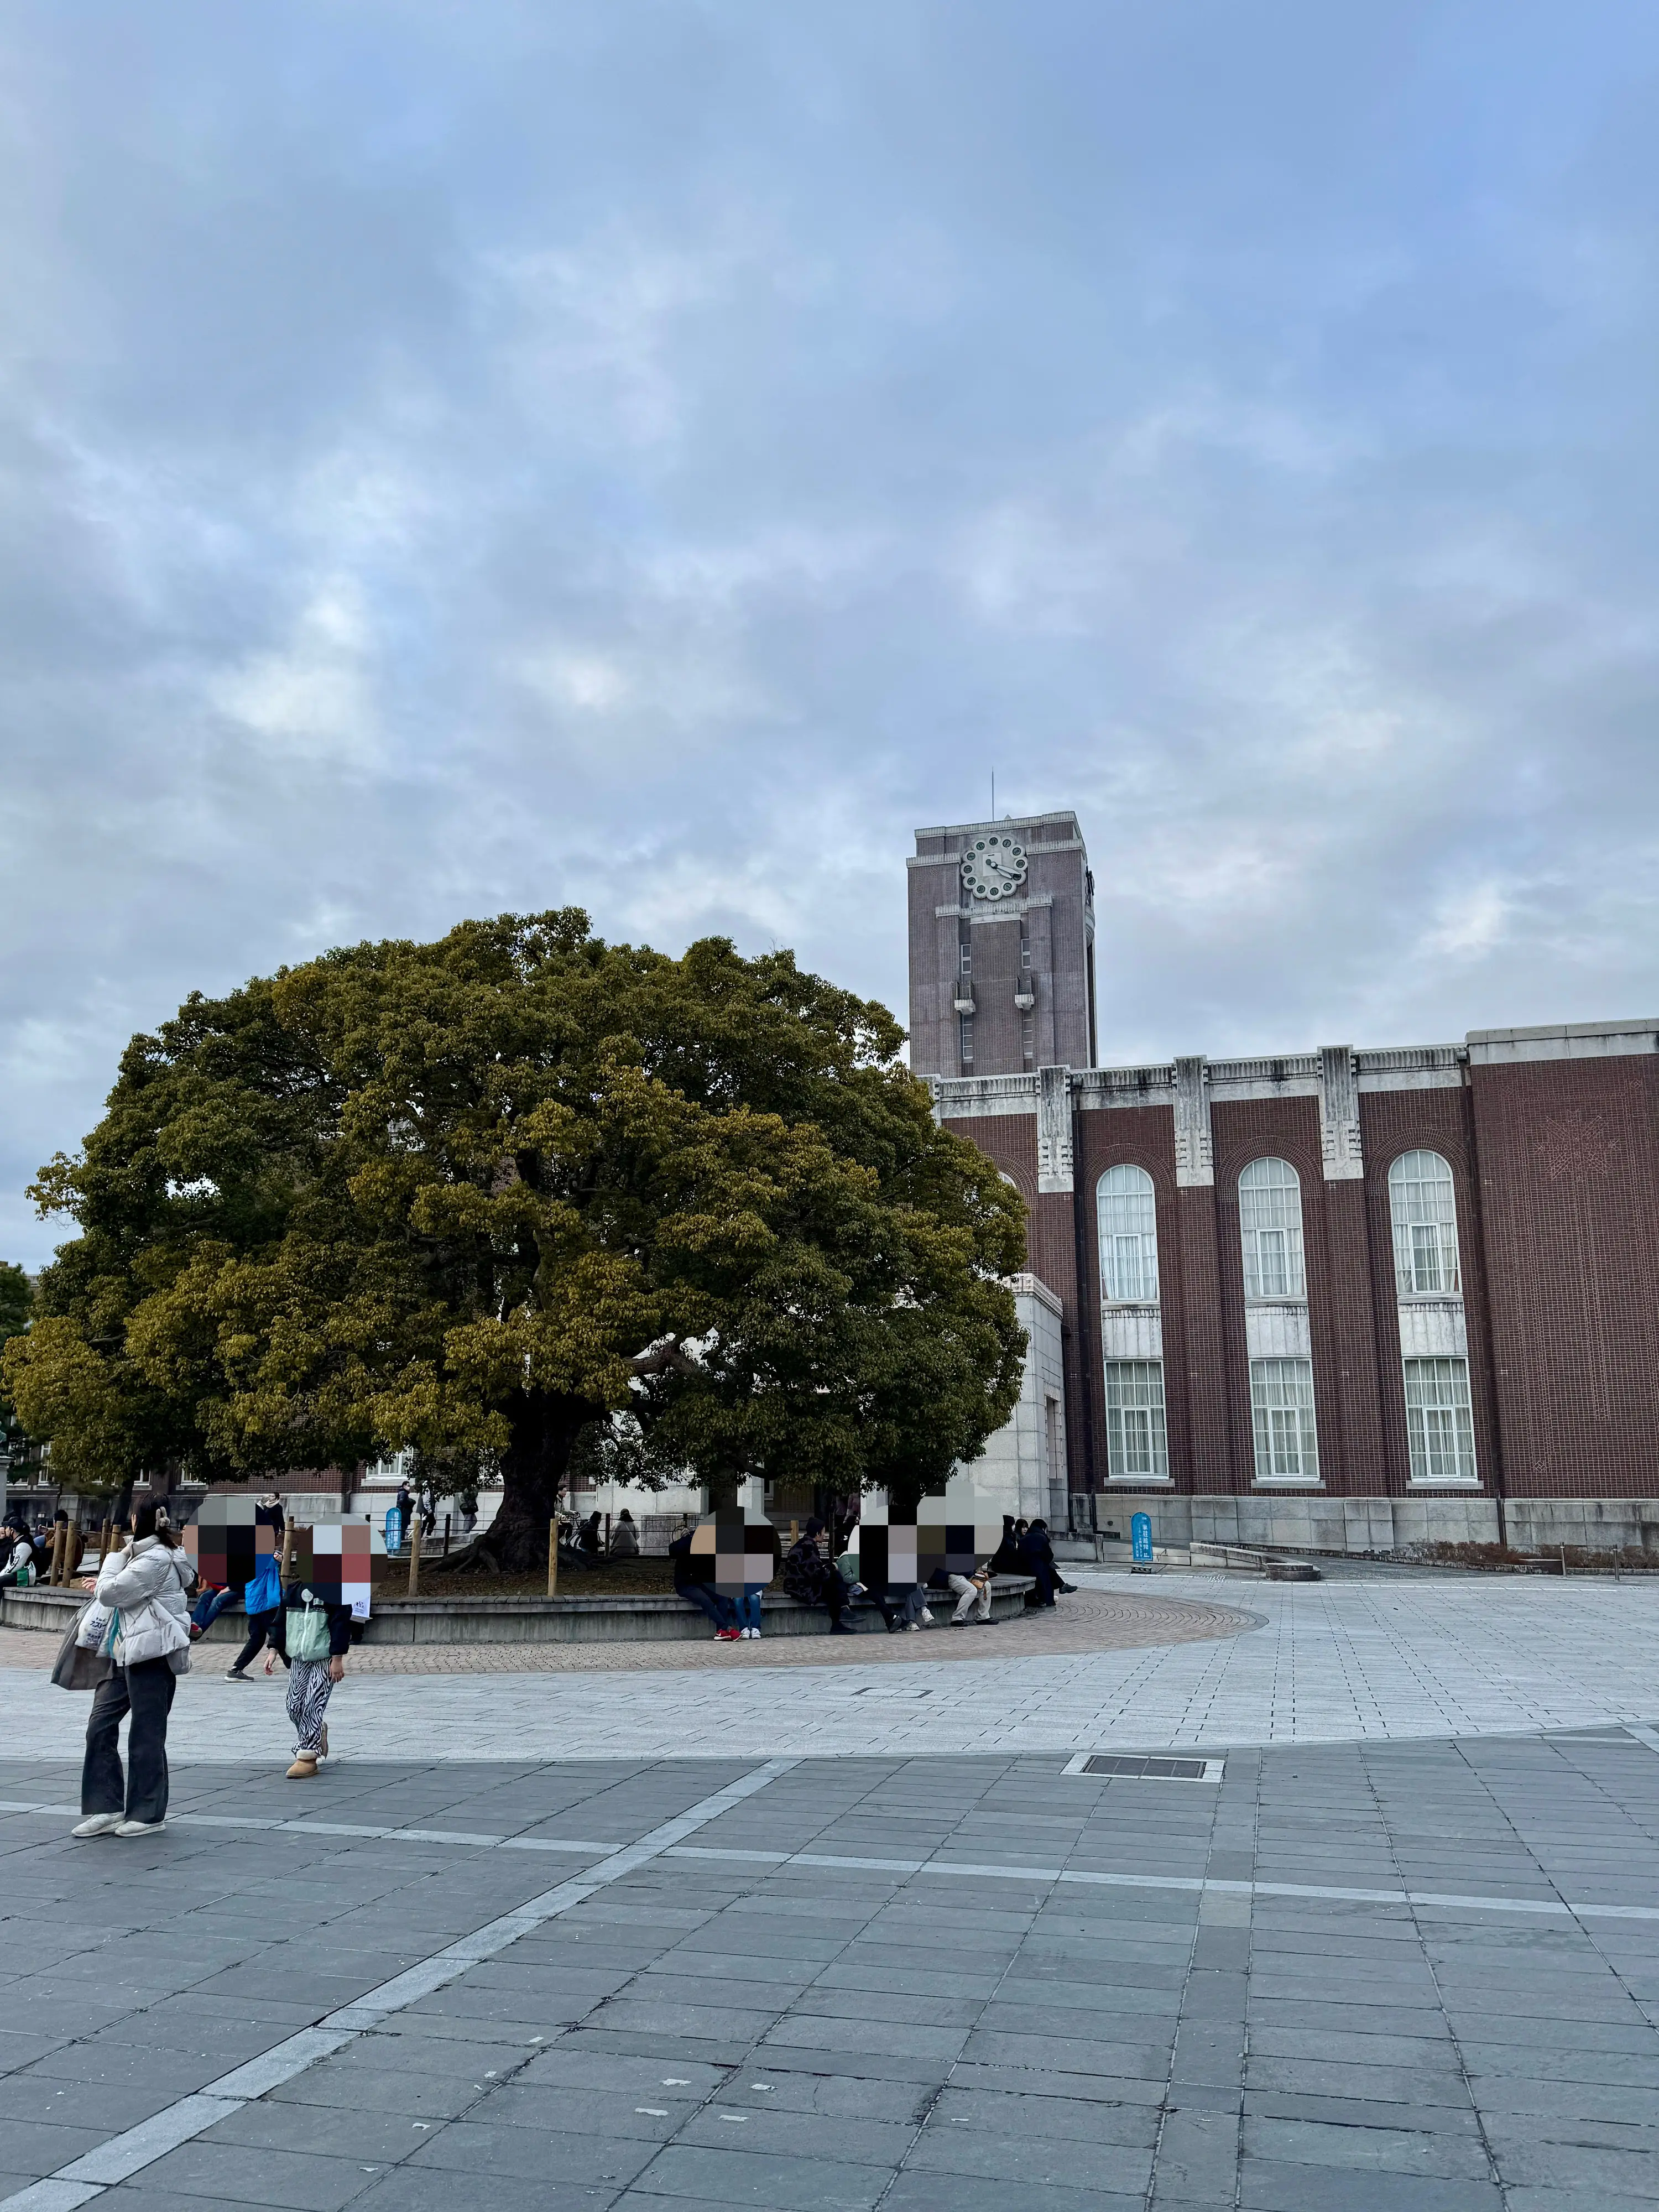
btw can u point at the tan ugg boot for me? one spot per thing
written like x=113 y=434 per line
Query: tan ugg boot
x=303 y=1769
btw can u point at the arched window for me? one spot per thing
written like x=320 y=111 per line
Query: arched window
x=1128 y=1234
x=1270 y=1224
x=1424 y=1209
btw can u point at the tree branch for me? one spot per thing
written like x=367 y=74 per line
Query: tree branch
x=661 y=1356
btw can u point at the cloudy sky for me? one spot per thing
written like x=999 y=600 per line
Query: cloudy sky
x=655 y=455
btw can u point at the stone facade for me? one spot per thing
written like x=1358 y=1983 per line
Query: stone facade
x=1498 y=1377
x=1002 y=984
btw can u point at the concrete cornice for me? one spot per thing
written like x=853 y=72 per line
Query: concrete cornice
x=1005 y=823
x=1562 y=1041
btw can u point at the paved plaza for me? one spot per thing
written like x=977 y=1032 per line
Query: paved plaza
x=1397 y=1952
x=1269 y=1663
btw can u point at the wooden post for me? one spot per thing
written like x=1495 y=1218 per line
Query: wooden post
x=607 y=1535
x=60 y=1547
x=415 y=1555
x=448 y=1517
x=553 y=1558
x=103 y=1540
x=287 y=1567
x=794 y=1534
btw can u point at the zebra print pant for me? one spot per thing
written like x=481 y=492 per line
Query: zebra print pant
x=308 y=1692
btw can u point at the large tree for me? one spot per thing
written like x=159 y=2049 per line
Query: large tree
x=472 y=1197
x=16 y=1309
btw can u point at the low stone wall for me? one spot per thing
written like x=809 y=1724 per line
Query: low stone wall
x=1273 y=1521
x=530 y=1620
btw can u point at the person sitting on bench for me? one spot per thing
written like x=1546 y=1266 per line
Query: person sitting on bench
x=812 y=1579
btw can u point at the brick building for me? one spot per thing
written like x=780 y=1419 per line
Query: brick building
x=1344 y=1298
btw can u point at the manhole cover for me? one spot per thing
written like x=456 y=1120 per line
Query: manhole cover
x=1146 y=1769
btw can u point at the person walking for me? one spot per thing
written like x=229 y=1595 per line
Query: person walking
x=312 y=1637
x=262 y=1601
x=144 y=1586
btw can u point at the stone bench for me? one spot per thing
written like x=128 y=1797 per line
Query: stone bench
x=461 y=1619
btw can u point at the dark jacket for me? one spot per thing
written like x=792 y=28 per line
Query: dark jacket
x=806 y=1571
x=1008 y=1558
x=680 y=1552
x=339 y=1626
x=1036 y=1550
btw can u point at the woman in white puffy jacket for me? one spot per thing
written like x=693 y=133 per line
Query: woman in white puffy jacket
x=145 y=1585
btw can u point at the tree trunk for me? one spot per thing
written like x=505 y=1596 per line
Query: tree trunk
x=534 y=1466
x=904 y=1495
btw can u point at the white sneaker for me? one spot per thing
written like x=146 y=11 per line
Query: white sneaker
x=753 y=1634
x=99 y=1824
x=141 y=1827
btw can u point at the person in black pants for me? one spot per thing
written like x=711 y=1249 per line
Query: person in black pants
x=1037 y=1560
x=146 y=1583
x=263 y=1599
x=810 y=1578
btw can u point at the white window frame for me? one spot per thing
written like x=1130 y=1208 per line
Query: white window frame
x=1283 y=1422
x=1440 y=1423
x=1137 y=1436
x=1126 y=1214
x=1270 y=1230
x=1423 y=1208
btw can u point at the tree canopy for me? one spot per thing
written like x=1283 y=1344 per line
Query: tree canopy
x=16 y=1309
x=470 y=1197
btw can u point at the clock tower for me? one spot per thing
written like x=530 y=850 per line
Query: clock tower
x=1002 y=948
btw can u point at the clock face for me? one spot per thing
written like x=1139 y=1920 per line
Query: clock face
x=994 y=865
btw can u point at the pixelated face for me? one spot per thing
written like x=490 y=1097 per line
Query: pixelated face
x=949 y=1536
x=224 y=1542
x=333 y=1560
x=730 y=1552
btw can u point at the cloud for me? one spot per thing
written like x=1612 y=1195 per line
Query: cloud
x=459 y=461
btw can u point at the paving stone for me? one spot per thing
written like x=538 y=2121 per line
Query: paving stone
x=1039 y=2161
x=780 y=2184
x=1264 y=2187
x=920 y=2189
x=38 y=2146
x=554 y=2156
x=288 y=2180
x=1365 y=2146
x=1197 y=2154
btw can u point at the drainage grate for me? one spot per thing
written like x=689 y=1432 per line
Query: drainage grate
x=1146 y=1769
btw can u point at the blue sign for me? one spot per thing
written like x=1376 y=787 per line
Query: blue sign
x=394 y=1530
x=1140 y=1538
